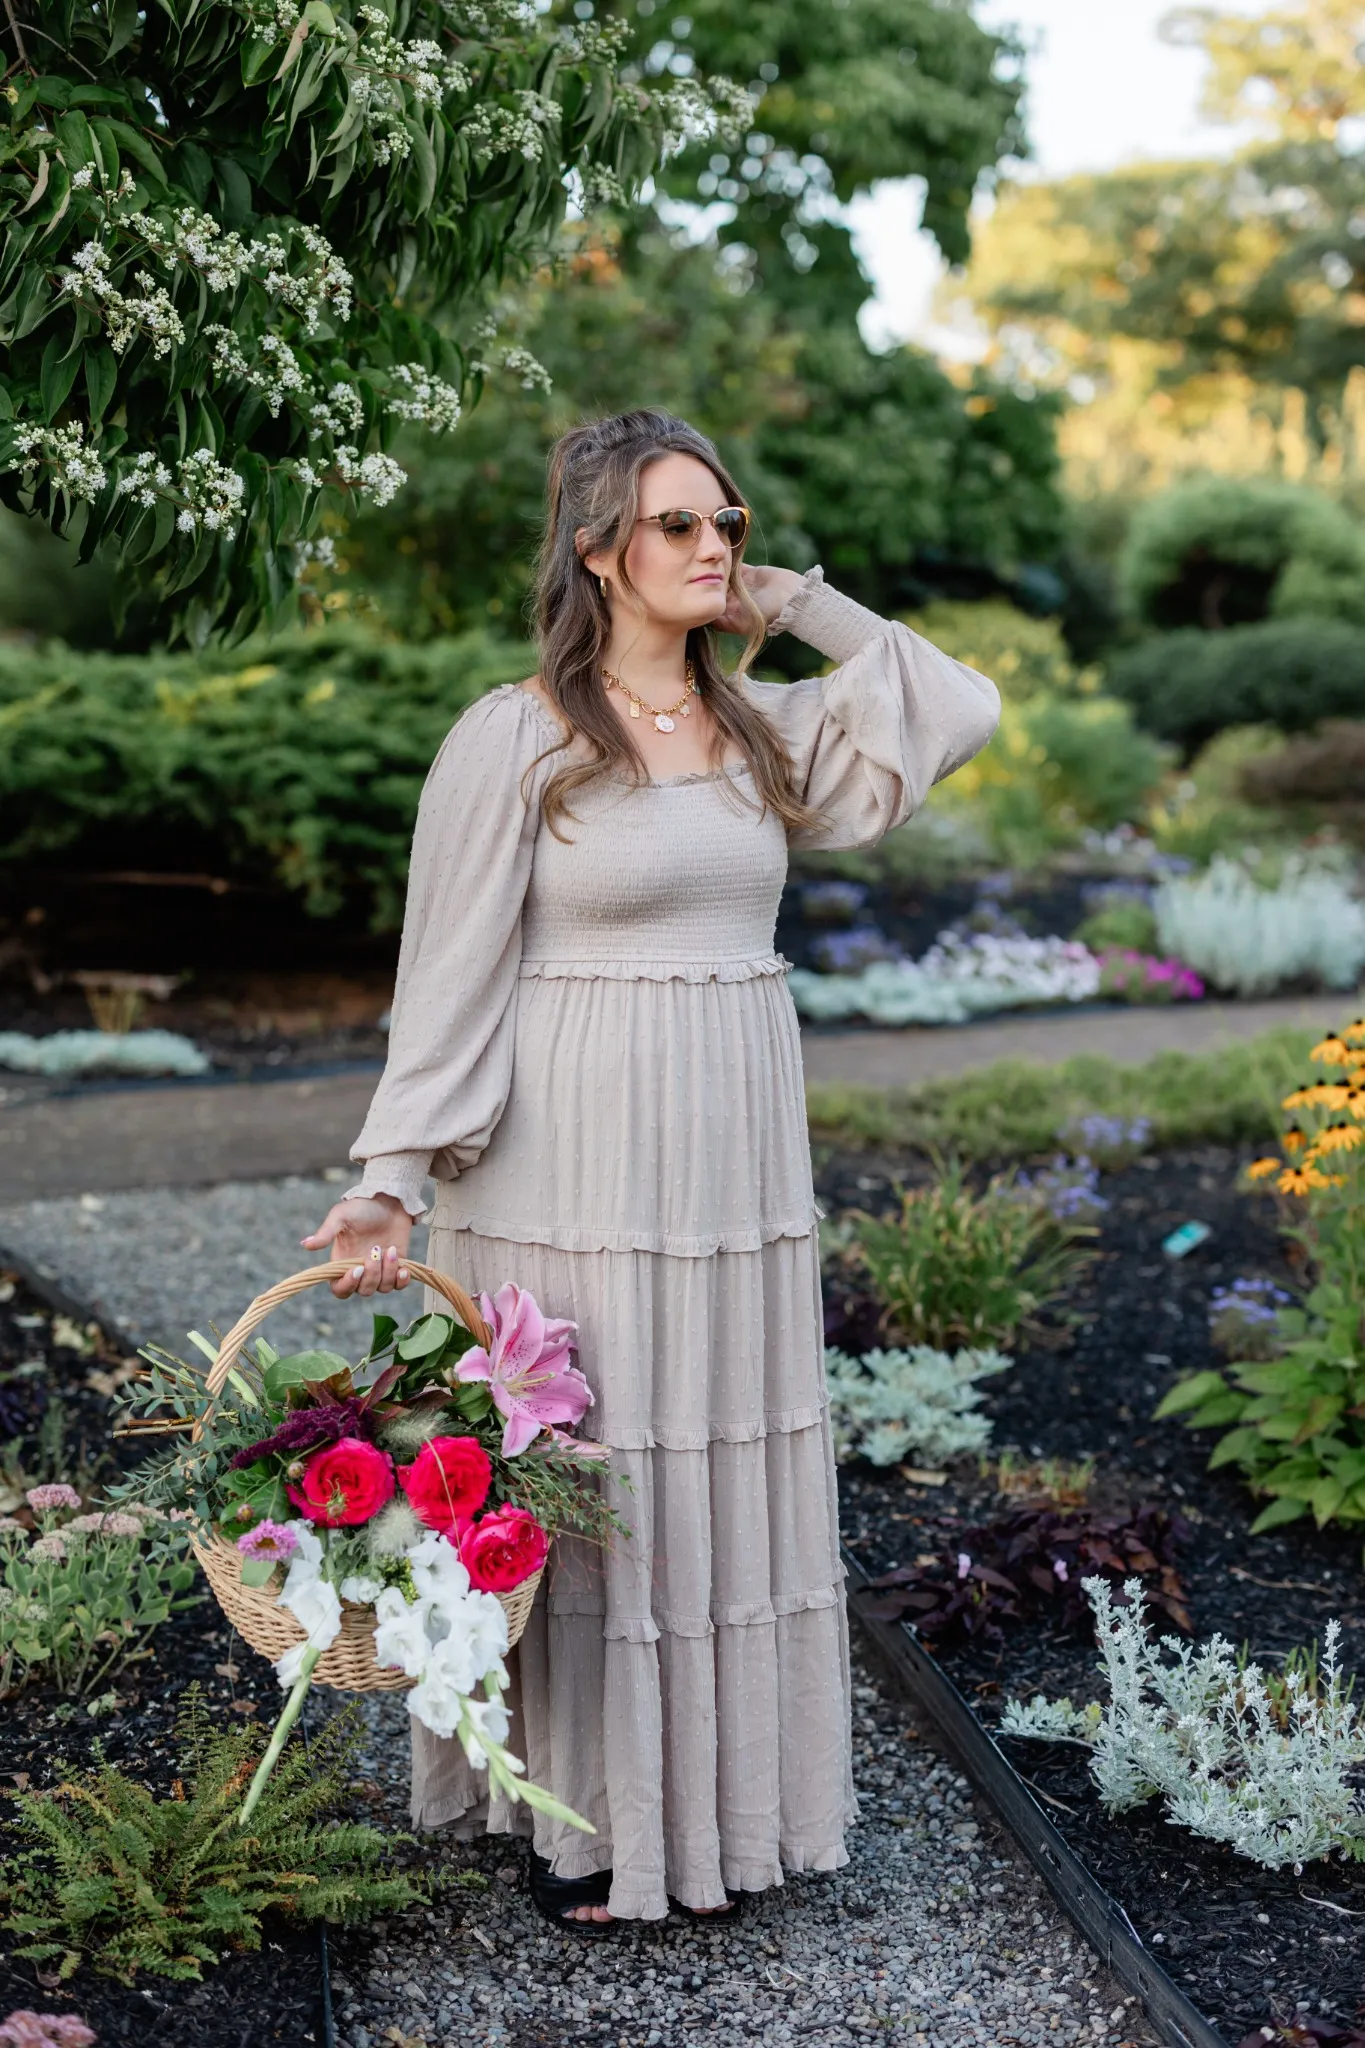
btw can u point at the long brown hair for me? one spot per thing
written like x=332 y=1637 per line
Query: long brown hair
x=594 y=487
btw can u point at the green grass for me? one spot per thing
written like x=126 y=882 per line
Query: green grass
x=1015 y=1108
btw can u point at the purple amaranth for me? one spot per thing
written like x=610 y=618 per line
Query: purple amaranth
x=306 y=1428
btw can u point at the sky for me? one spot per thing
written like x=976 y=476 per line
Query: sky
x=1102 y=90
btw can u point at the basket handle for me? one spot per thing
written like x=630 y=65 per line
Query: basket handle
x=230 y=1350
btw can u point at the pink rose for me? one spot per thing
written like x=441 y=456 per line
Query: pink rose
x=344 y=1483
x=447 y=1482
x=502 y=1549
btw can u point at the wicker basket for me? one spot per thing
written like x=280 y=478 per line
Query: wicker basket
x=254 y=1612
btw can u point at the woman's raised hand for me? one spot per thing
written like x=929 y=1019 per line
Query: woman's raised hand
x=769 y=589
x=372 y=1230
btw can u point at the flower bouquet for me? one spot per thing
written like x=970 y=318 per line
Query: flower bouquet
x=382 y=1524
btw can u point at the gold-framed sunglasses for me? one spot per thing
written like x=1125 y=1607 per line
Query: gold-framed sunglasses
x=682 y=528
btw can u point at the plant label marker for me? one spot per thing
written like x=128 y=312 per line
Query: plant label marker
x=1185 y=1239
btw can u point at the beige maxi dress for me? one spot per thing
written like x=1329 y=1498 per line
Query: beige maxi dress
x=595 y=1054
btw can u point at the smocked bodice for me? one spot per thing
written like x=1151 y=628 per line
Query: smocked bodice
x=672 y=874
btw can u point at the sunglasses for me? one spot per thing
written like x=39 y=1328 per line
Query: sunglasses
x=682 y=528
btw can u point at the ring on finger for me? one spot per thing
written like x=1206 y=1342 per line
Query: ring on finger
x=375 y=1252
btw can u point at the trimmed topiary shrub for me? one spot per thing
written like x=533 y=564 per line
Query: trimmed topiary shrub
x=1218 y=553
x=1189 y=686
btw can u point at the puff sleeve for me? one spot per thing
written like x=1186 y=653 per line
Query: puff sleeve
x=869 y=740
x=449 y=1069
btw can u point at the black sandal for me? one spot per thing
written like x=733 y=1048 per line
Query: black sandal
x=556 y=1897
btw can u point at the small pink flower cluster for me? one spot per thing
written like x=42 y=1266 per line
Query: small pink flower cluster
x=46 y=1500
x=1141 y=978
x=25 y=2029
x=112 y=1522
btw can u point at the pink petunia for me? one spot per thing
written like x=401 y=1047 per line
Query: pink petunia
x=527 y=1369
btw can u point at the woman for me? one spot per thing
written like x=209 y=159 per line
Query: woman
x=595 y=1056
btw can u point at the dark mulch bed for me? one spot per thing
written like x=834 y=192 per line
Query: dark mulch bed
x=274 y=1995
x=1242 y=1942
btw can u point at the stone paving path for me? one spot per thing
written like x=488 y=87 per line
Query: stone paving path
x=934 y=1935
x=197 y=1134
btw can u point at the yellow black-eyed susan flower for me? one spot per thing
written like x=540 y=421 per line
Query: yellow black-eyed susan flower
x=1301 y=1180
x=1293 y=1140
x=1354 y=1034
x=1261 y=1169
x=1340 y=1137
x=1356 y=1103
x=1332 y=1052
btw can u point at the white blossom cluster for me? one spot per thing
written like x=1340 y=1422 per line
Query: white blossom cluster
x=427 y=400
x=889 y=1405
x=212 y=494
x=326 y=282
x=323 y=551
x=598 y=185
x=1268 y=1769
x=376 y=477
x=125 y=317
x=495 y=130
x=76 y=468
x=601 y=42
x=691 y=108
x=278 y=378
x=146 y=480
x=386 y=69
x=84 y=178
x=1243 y=937
x=488 y=19
x=338 y=410
x=195 y=239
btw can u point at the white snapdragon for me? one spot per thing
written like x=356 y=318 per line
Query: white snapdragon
x=484 y=1724
x=362 y=1590
x=311 y=1599
x=75 y=468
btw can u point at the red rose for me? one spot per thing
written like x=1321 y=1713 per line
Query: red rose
x=447 y=1482
x=503 y=1549
x=344 y=1482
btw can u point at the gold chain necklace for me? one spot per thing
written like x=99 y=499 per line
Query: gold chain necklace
x=663 y=720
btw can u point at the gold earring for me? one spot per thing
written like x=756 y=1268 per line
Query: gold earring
x=603 y=582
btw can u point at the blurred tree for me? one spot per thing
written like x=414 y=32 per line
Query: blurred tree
x=1209 y=315
x=732 y=297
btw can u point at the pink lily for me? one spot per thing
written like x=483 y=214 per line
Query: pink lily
x=527 y=1369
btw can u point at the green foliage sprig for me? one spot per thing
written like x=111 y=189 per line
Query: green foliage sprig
x=229 y=230
x=956 y=1268
x=1294 y=1423
x=130 y=1883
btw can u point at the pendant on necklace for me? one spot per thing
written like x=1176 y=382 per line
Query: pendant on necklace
x=686 y=711
x=635 y=711
x=663 y=723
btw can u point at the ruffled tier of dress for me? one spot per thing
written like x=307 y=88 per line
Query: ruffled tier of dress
x=676 y=1096
x=685 y=1690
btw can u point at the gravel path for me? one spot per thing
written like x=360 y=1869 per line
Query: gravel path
x=934 y=1934
x=156 y=1262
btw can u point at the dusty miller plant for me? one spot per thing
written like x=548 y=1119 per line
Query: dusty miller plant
x=1264 y=1764
x=890 y=1404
